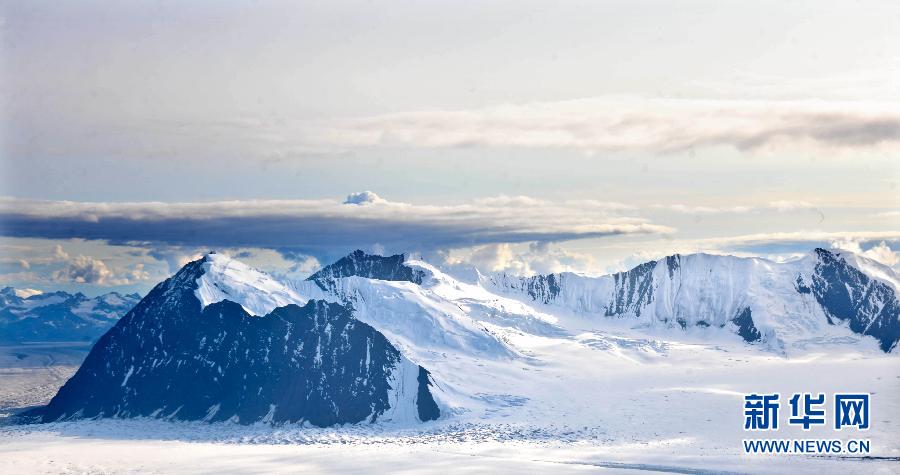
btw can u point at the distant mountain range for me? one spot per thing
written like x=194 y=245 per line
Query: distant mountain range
x=373 y=338
x=761 y=300
x=27 y=315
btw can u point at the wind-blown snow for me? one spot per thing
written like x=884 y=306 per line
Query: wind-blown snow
x=874 y=269
x=224 y=278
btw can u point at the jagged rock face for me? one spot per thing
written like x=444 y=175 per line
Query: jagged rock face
x=760 y=300
x=633 y=290
x=172 y=358
x=745 y=327
x=869 y=306
x=361 y=264
x=60 y=316
x=541 y=288
x=426 y=406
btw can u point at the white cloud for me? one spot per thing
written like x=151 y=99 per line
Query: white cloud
x=363 y=197
x=593 y=125
x=887 y=214
x=175 y=257
x=880 y=252
x=287 y=265
x=689 y=209
x=59 y=254
x=495 y=258
x=613 y=123
x=781 y=206
x=84 y=270
x=89 y=270
x=784 y=205
x=793 y=237
x=536 y=258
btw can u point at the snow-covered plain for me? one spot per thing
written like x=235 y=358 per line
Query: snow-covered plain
x=527 y=387
x=611 y=402
x=30 y=374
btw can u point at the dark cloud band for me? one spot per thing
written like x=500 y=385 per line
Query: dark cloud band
x=313 y=226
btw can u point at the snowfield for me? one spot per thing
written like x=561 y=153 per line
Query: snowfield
x=612 y=403
x=524 y=385
x=30 y=374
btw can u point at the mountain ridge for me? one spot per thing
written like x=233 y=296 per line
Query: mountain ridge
x=220 y=341
x=59 y=315
x=673 y=295
x=174 y=356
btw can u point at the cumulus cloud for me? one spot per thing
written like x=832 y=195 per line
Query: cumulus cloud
x=363 y=198
x=311 y=226
x=305 y=266
x=494 y=258
x=89 y=270
x=175 y=257
x=59 y=254
x=287 y=264
x=880 y=252
x=536 y=258
x=786 y=245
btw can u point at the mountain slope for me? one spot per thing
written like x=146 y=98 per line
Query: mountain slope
x=222 y=278
x=177 y=356
x=360 y=264
x=762 y=301
x=59 y=316
x=845 y=293
x=221 y=341
x=431 y=314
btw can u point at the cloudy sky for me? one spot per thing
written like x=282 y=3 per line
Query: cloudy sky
x=518 y=136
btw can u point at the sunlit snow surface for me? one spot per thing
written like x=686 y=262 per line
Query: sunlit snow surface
x=527 y=387
x=599 y=400
x=229 y=279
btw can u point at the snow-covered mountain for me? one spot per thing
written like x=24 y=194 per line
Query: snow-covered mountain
x=29 y=315
x=824 y=294
x=221 y=341
x=373 y=338
x=360 y=264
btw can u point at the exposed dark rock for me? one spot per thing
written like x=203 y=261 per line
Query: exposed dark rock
x=167 y=358
x=633 y=290
x=746 y=329
x=360 y=264
x=869 y=306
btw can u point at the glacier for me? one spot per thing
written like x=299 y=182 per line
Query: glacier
x=823 y=294
x=389 y=339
